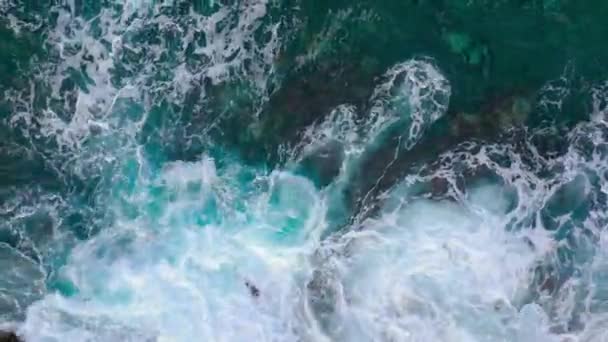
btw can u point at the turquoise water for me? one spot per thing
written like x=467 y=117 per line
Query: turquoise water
x=303 y=171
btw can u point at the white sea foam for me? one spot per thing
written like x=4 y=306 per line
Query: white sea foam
x=201 y=259
x=134 y=52
x=200 y=250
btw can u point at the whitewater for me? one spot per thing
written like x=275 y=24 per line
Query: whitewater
x=162 y=232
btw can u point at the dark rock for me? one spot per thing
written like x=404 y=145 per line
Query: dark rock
x=253 y=290
x=8 y=336
x=386 y=165
x=310 y=95
x=439 y=186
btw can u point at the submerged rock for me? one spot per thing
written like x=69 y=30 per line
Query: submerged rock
x=323 y=296
x=7 y=336
x=323 y=163
x=386 y=166
x=496 y=115
x=473 y=53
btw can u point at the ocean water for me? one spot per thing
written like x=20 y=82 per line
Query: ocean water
x=303 y=170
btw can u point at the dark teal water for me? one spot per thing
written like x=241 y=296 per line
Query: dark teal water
x=269 y=170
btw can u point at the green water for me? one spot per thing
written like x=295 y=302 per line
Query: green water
x=225 y=170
